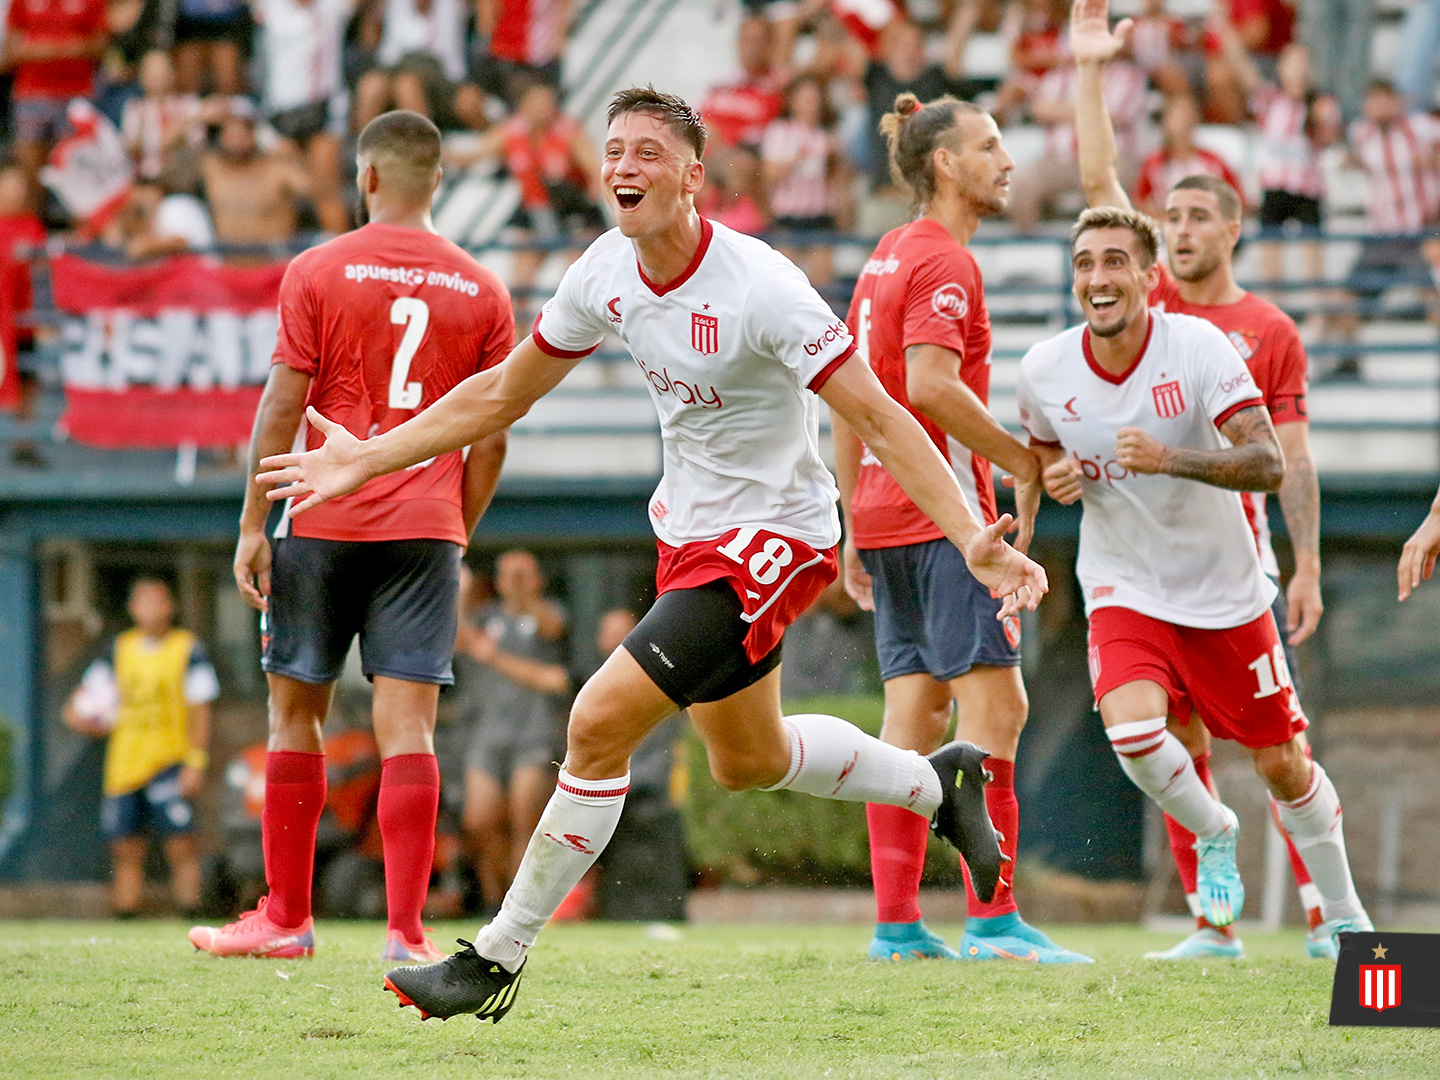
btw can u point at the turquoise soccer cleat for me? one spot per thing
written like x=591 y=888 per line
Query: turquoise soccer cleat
x=1222 y=893
x=1206 y=943
x=1011 y=933
x=1320 y=944
x=909 y=941
x=1332 y=930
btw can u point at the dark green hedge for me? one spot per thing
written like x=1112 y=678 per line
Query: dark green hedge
x=786 y=838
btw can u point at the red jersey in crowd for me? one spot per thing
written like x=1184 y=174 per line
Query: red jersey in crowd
x=1269 y=343
x=20 y=234
x=56 y=22
x=920 y=287
x=1288 y=158
x=739 y=112
x=535 y=161
x=1161 y=171
x=530 y=32
x=386 y=320
x=1399 y=162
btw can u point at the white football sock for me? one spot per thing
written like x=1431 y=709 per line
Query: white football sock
x=833 y=759
x=1160 y=766
x=1316 y=825
x=577 y=824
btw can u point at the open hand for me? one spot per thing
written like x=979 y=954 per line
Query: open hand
x=327 y=472
x=857 y=581
x=252 y=569
x=1417 y=559
x=1010 y=576
x=1091 y=39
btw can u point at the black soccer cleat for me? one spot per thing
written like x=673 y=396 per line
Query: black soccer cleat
x=464 y=982
x=962 y=819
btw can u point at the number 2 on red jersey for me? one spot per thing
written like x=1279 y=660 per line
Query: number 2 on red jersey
x=414 y=314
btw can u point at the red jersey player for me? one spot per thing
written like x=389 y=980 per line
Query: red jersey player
x=737 y=348
x=919 y=319
x=375 y=326
x=1128 y=413
x=1202 y=227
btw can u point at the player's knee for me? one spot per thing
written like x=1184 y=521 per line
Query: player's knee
x=1285 y=769
x=590 y=740
x=742 y=775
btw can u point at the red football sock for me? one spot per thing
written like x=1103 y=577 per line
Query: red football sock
x=897 y=859
x=294 y=798
x=409 y=805
x=1005 y=814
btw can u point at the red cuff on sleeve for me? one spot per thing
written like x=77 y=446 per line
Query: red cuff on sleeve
x=1289 y=409
x=1233 y=409
x=551 y=350
x=823 y=376
x=1042 y=442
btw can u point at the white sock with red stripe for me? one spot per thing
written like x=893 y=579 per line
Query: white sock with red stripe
x=833 y=759
x=1160 y=766
x=1317 y=827
x=577 y=824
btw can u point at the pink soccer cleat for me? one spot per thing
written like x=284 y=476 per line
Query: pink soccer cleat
x=398 y=949
x=253 y=934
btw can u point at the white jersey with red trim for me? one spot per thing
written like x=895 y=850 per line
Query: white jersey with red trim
x=1173 y=549
x=732 y=350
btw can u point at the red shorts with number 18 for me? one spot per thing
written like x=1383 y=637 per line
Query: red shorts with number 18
x=1236 y=679
x=776 y=578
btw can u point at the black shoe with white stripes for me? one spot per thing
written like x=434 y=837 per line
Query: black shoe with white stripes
x=464 y=982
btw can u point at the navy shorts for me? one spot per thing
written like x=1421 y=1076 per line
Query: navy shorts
x=158 y=804
x=932 y=616
x=398 y=595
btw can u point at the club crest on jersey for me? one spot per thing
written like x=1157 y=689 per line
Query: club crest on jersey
x=950 y=301
x=1379 y=986
x=1245 y=344
x=704 y=333
x=1169 y=401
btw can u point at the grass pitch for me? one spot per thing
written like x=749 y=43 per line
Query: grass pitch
x=133 y=1000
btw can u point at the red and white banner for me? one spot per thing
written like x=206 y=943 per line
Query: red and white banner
x=167 y=354
x=89 y=170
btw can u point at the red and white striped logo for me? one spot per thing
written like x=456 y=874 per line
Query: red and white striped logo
x=1379 y=986
x=1169 y=401
x=704 y=333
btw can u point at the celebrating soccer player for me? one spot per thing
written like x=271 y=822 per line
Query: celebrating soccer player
x=1128 y=412
x=919 y=319
x=375 y=326
x=1201 y=228
x=735 y=345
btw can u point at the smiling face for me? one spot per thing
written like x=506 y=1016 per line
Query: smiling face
x=1198 y=238
x=1110 y=283
x=650 y=175
x=972 y=157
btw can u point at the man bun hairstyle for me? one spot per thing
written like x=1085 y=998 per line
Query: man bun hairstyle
x=912 y=132
x=1143 y=227
x=1225 y=195
x=670 y=109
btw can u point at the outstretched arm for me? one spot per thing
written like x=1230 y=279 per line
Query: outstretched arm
x=903 y=447
x=1254 y=463
x=1417 y=560
x=478 y=407
x=1094 y=44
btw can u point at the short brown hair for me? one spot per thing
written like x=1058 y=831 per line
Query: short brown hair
x=404 y=148
x=670 y=109
x=1225 y=195
x=912 y=132
x=1142 y=227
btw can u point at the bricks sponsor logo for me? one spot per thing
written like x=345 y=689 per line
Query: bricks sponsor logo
x=1230 y=384
x=836 y=331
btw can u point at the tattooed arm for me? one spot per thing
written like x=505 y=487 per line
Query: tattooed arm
x=1300 y=503
x=1253 y=463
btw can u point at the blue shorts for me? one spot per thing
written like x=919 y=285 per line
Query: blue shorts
x=399 y=595
x=932 y=617
x=159 y=804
